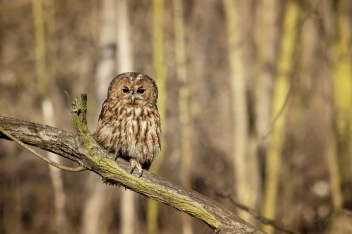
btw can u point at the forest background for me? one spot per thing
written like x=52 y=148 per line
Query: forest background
x=255 y=96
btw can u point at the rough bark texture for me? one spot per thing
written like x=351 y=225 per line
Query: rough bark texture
x=83 y=149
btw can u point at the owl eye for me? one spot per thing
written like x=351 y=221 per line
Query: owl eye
x=140 y=91
x=125 y=90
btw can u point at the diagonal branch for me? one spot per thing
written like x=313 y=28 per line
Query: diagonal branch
x=84 y=150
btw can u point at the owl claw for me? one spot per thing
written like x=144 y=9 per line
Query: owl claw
x=135 y=164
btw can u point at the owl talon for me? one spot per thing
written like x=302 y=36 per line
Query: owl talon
x=135 y=164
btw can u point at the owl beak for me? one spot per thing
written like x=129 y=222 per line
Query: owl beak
x=132 y=99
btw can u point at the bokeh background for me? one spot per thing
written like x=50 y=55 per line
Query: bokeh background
x=255 y=96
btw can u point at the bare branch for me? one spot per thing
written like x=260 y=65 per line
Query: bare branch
x=83 y=149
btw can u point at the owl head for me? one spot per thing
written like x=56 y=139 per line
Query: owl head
x=133 y=88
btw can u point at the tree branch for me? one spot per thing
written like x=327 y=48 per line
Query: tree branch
x=84 y=150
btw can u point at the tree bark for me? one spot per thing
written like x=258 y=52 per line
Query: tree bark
x=83 y=149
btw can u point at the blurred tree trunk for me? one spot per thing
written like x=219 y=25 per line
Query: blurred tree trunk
x=160 y=78
x=268 y=25
x=98 y=194
x=238 y=24
x=339 y=152
x=124 y=58
x=184 y=107
x=200 y=30
x=203 y=18
x=343 y=94
x=338 y=156
x=304 y=74
x=52 y=45
x=277 y=136
x=45 y=76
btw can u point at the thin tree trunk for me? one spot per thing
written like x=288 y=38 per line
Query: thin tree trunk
x=160 y=77
x=304 y=73
x=124 y=58
x=269 y=26
x=238 y=20
x=184 y=107
x=98 y=193
x=52 y=42
x=47 y=107
x=55 y=173
x=342 y=94
x=276 y=139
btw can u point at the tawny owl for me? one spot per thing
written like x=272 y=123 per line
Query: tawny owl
x=129 y=122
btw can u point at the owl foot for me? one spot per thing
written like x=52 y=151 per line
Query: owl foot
x=135 y=164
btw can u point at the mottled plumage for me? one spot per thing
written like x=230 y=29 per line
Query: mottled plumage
x=129 y=122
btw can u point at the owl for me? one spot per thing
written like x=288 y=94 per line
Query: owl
x=129 y=122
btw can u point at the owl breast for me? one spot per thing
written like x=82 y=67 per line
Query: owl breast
x=130 y=132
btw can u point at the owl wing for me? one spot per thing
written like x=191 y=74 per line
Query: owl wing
x=108 y=123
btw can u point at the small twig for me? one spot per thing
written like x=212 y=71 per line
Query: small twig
x=279 y=114
x=71 y=169
x=294 y=70
x=251 y=211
